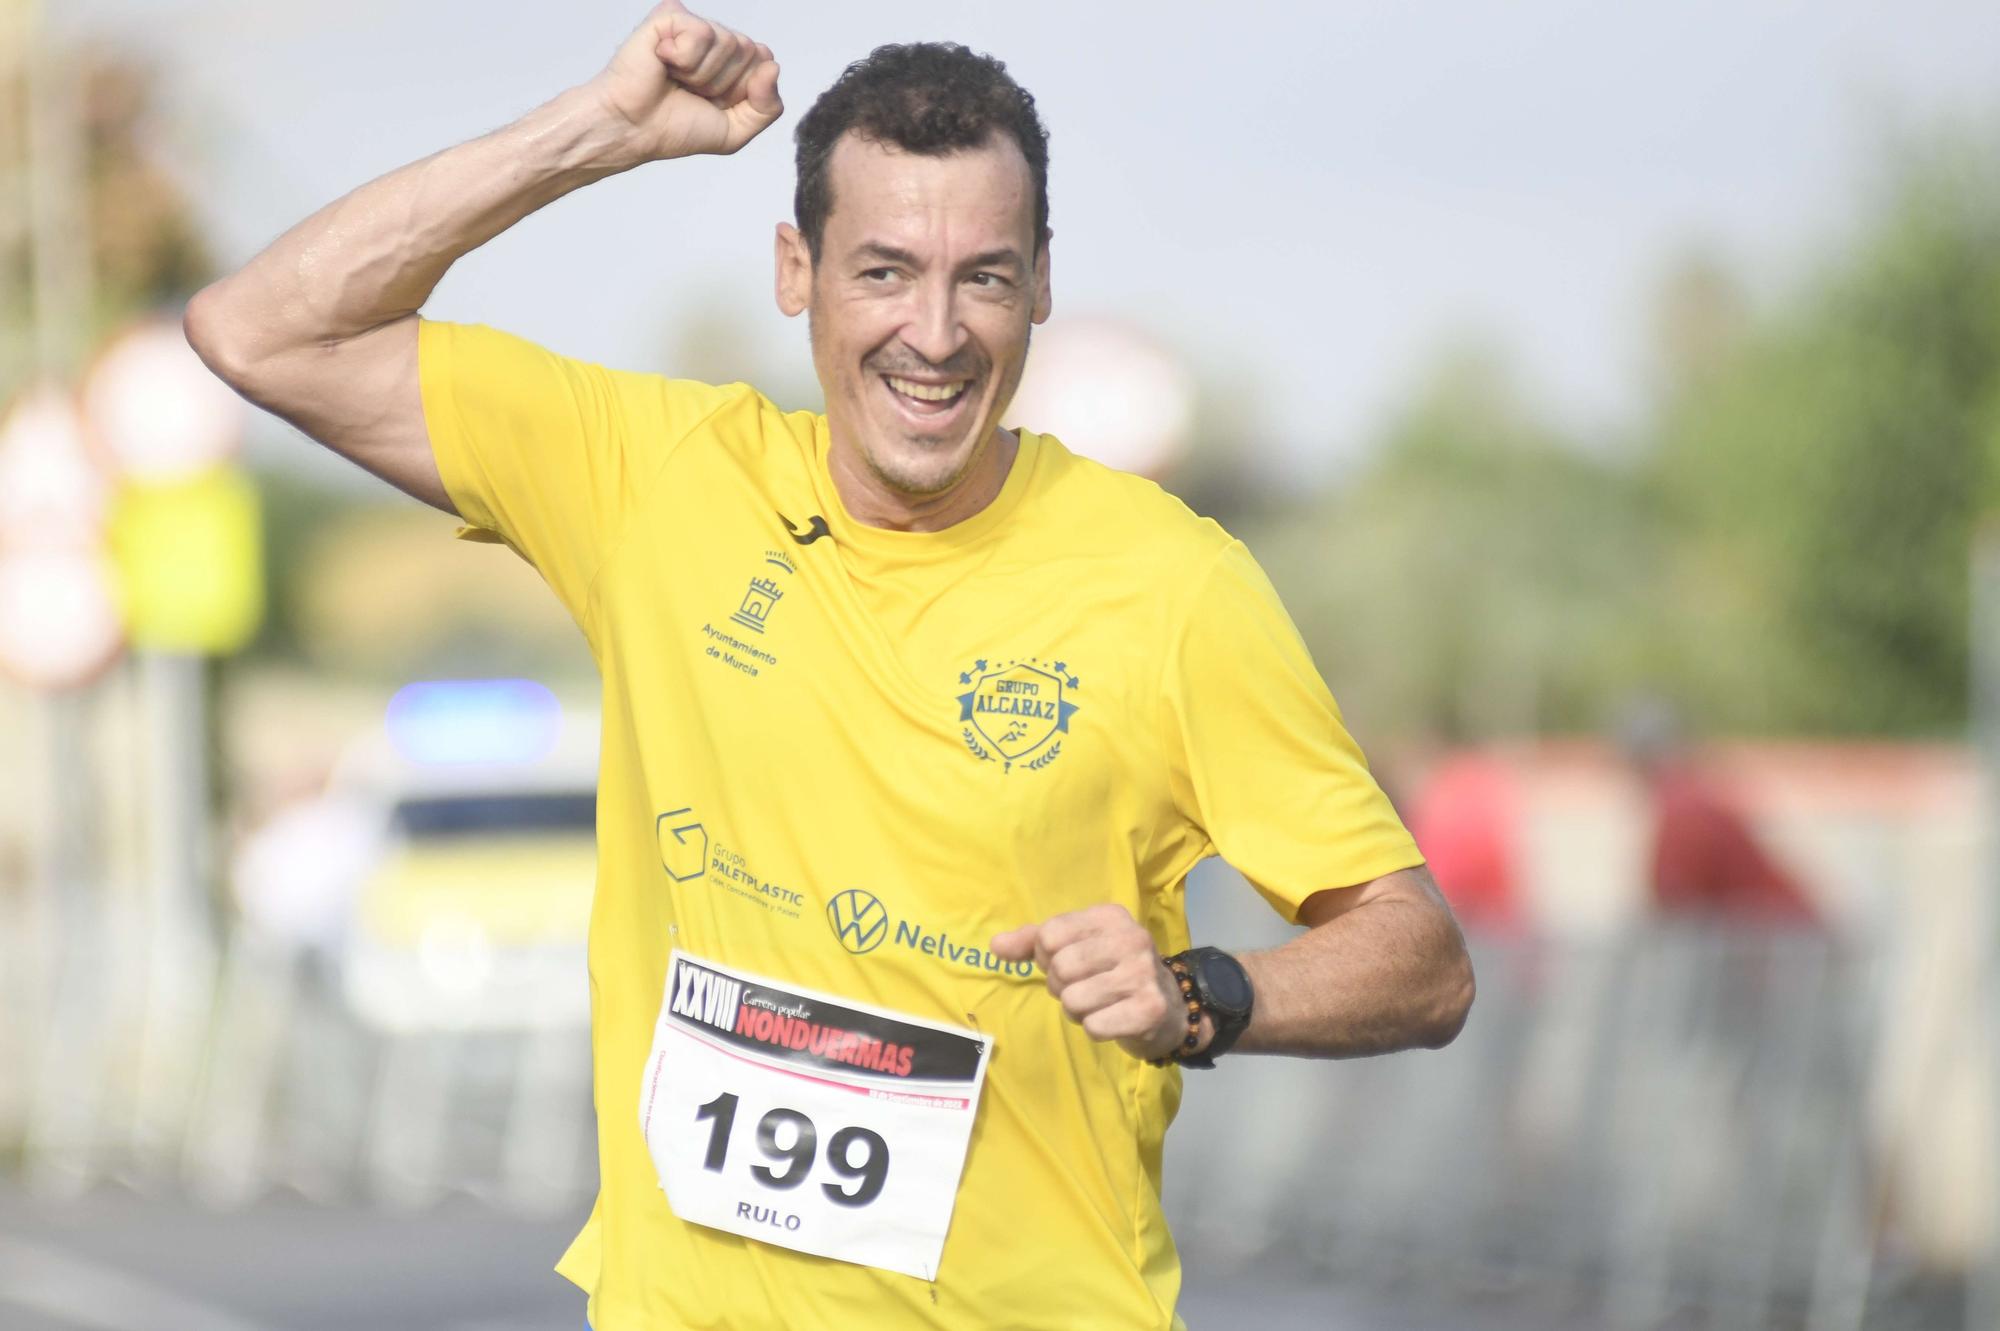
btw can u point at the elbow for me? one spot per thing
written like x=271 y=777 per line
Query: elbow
x=215 y=334
x=1452 y=1001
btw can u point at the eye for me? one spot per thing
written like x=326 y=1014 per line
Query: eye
x=988 y=280
x=877 y=274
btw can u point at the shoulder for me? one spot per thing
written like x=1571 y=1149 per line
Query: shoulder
x=479 y=363
x=692 y=427
x=1152 y=549
x=1125 y=517
x=735 y=418
x=727 y=411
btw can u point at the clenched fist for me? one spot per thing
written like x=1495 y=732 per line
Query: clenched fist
x=682 y=85
x=1101 y=963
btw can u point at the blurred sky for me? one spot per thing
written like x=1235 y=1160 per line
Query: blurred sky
x=1307 y=198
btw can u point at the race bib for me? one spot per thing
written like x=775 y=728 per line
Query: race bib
x=812 y=1122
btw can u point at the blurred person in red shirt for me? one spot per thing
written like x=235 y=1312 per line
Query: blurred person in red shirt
x=1707 y=863
x=1465 y=817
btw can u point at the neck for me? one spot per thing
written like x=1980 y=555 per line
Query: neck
x=873 y=502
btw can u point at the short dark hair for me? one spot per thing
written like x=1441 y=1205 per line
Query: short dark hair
x=930 y=98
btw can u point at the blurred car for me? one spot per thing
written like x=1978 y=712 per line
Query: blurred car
x=445 y=875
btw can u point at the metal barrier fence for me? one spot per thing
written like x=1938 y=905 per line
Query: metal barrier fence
x=1668 y=1129
x=283 y=1085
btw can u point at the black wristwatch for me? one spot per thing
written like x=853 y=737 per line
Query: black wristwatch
x=1222 y=987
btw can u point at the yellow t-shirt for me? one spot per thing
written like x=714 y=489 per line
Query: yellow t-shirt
x=826 y=706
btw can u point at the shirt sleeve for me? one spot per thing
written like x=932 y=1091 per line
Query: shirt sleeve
x=1260 y=760
x=548 y=454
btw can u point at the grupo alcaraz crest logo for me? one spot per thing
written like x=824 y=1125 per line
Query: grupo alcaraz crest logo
x=1016 y=712
x=859 y=919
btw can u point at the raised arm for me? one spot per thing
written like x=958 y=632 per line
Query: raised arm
x=321 y=327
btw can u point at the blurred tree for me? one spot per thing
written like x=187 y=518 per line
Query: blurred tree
x=1699 y=322
x=1790 y=555
x=1822 y=482
x=1480 y=577
x=146 y=247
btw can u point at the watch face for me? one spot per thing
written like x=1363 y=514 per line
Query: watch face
x=1228 y=987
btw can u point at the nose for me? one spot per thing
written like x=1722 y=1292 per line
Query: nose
x=934 y=331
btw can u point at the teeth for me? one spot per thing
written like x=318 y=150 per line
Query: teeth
x=926 y=392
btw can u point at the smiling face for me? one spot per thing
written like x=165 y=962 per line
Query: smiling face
x=920 y=303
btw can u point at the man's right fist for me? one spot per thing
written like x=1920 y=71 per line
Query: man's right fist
x=684 y=85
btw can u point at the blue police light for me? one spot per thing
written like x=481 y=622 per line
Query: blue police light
x=458 y=721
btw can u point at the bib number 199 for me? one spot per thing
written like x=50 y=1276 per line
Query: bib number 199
x=770 y=1111
x=855 y=1154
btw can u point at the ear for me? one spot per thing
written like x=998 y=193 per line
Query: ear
x=1043 y=300
x=795 y=271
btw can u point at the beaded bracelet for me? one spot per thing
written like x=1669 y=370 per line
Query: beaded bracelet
x=1181 y=976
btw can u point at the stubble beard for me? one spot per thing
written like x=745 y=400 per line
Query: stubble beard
x=911 y=476
x=908 y=476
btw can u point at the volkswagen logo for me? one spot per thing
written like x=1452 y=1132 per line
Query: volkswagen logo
x=859 y=920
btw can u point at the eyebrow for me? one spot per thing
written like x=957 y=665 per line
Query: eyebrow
x=1006 y=256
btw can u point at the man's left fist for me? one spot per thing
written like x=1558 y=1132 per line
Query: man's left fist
x=1101 y=963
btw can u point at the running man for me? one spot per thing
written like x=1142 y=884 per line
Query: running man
x=913 y=725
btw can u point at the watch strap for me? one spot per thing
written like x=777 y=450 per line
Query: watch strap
x=1229 y=1019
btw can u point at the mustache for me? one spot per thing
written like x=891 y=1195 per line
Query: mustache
x=906 y=363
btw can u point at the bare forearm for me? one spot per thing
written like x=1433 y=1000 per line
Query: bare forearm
x=376 y=254
x=1391 y=973
x=321 y=328
x=1382 y=967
